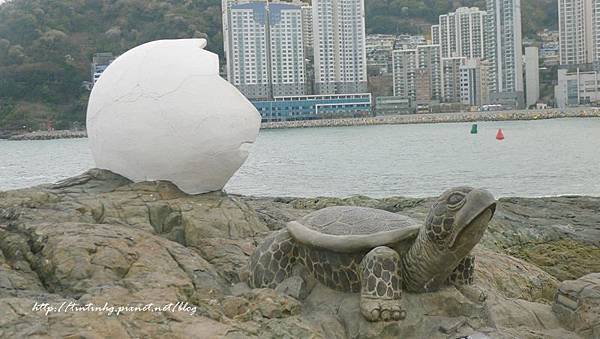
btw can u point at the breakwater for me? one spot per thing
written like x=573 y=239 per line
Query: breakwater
x=439 y=118
x=47 y=135
x=430 y=118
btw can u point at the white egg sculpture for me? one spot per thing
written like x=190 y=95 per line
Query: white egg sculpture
x=161 y=112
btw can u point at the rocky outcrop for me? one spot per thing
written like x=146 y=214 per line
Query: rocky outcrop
x=577 y=305
x=99 y=239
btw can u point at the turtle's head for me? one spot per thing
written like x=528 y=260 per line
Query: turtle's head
x=459 y=217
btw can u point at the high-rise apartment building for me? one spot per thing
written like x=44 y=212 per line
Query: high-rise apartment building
x=504 y=51
x=225 y=9
x=474 y=83
x=451 y=78
x=532 y=75
x=288 y=75
x=307 y=28
x=577 y=26
x=429 y=75
x=417 y=73
x=340 y=61
x=307 y=41
x=248 y=69
x=596 y=28
x=461 y=33
x=404 y=66
x=266 y=52
x=435 y=34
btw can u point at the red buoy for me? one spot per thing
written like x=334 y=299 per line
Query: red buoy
x=500 y=135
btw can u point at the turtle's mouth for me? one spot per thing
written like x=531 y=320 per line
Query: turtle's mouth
x=472 y=219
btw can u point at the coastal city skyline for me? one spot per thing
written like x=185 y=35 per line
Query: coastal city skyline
x=298 y=60
x=436 y=72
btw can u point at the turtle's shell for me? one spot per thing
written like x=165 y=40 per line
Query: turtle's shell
x=350 y=229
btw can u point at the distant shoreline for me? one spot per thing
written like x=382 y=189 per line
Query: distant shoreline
x=430 y=118
x=49 y=135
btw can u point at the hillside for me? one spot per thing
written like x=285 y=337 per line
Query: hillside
x=46 y=48
x=46 y=45
x=390 y=16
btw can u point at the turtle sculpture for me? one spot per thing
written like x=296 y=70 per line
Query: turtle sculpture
x=379 y=253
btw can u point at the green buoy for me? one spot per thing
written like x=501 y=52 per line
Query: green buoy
x=474 y=129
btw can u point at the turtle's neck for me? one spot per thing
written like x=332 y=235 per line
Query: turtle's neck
x=426 y=267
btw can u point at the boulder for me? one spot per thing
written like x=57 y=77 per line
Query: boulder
x=577 y=305
x=294 y=287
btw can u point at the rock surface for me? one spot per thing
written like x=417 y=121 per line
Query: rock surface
x=99 y=238
x=577 y=305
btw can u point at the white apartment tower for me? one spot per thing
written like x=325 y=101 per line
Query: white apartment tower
x=265 y=53
x=435 y=34
x=461 y=33
x=307 y=36
x=225 y=9
x=287 y=50
x=340 y=61
x=504 y=50
x=596 y=27
x=532 y=75
x=404 y=63
x=307 y=29
x=577 y=26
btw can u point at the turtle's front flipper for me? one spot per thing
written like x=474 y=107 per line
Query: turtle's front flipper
x=381 y=285
x=272 y=261
x=462 y=277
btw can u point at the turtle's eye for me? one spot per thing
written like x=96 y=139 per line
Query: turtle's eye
x=455 y=199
